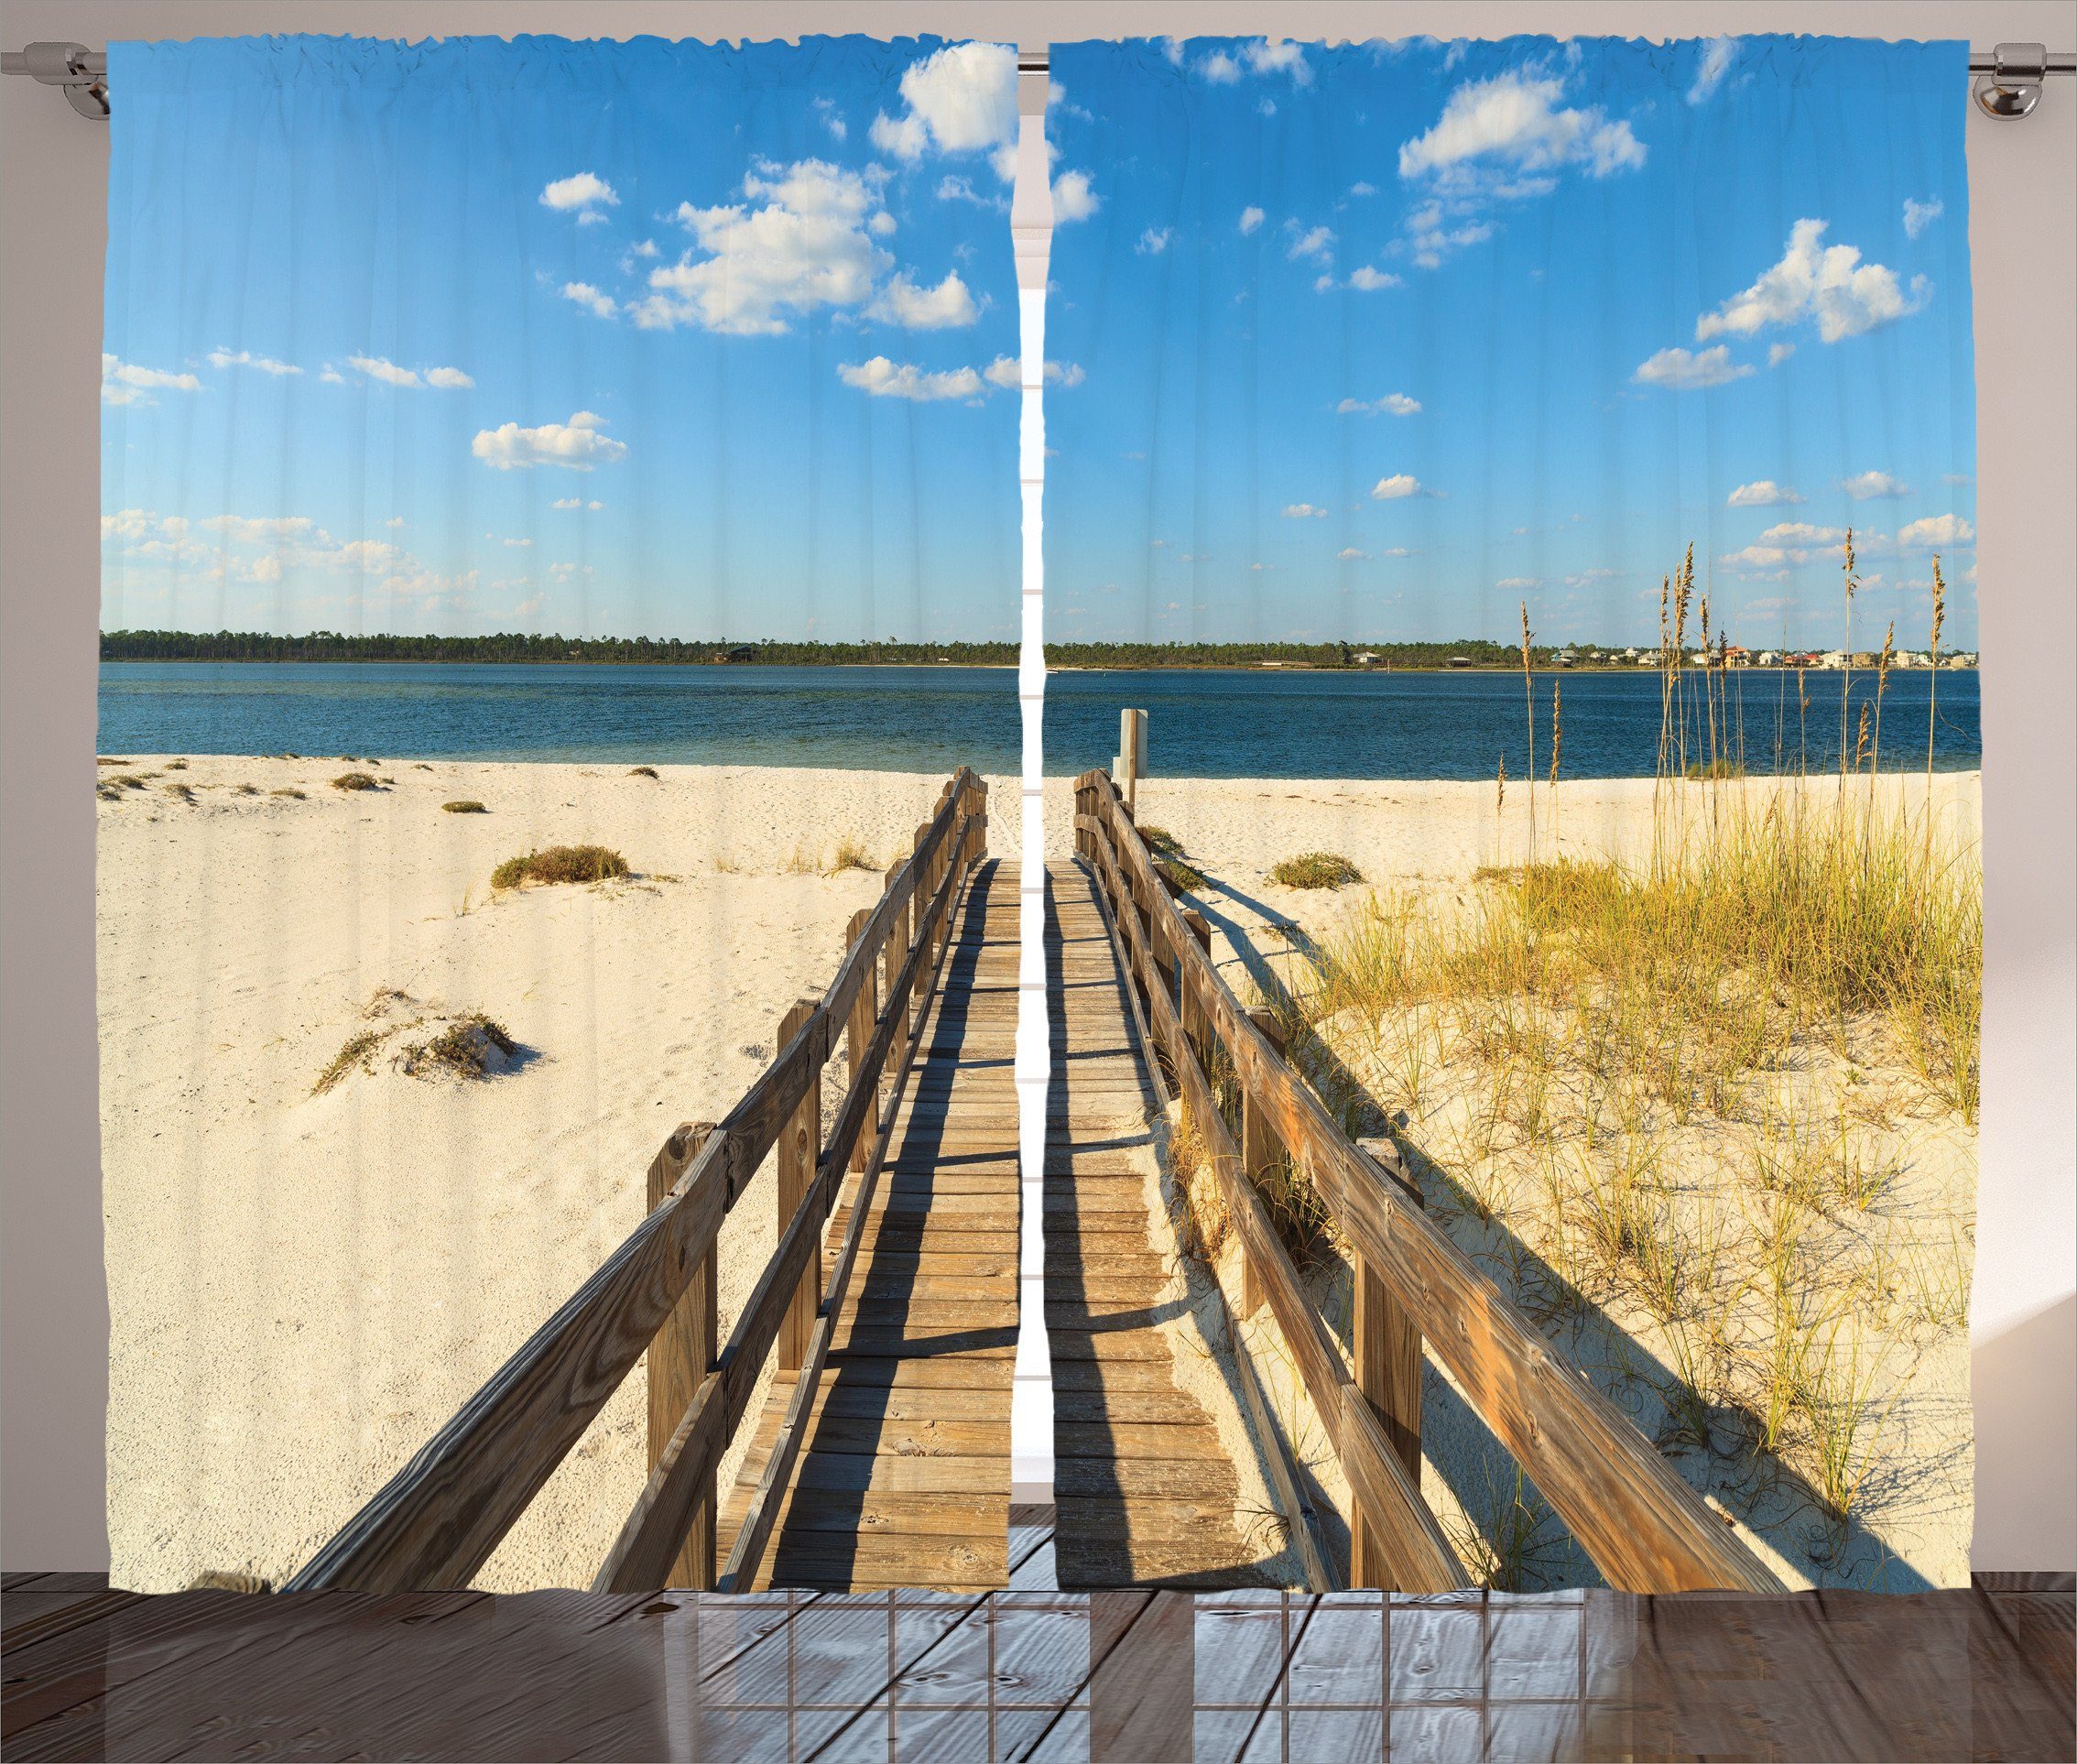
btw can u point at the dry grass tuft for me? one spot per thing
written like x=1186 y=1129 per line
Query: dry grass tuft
x=466 y=806
x=852 y=855
x=642 y=771
x=356 y=781
x=470 y=1047
x=560 y=864
x=357 y=1054
x=300 y=796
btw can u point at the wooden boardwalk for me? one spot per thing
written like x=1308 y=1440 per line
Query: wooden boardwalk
x=903 y=1478
x=1144 y=1487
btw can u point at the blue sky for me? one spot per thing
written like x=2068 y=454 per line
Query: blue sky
x=1380 y=340
x=605 y=339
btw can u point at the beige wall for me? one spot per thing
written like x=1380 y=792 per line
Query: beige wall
x=53 y=1319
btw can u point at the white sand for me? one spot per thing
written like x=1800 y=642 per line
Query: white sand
x=302 y=1289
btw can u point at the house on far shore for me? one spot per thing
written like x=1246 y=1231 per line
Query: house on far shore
x=737 y=652
x=1365 y=658
x=1565 y=657
x=1459 y=661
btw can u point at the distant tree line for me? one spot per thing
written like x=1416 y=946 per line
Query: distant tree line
x=526 y=647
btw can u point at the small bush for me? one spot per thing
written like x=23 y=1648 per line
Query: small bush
x=175 y=765
x=468 y=1047
x=186 y=792
x=1181 y=874
x=465 y=806
x=642 y=771
x=1161 y=840
x=108 y=792
x=356 y=781
x=560 y=864
x=300 y=796
x=1316 y=870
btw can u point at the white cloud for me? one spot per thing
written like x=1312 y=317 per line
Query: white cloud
x=962 y=99
x=887 y=379
x=1514 y=124
x=1220 y=68
x=1317 y=242
x=642 y=249
x=1006 y=371
x=521 y=544
x=804 y=245
x=576 y=445
x=1250 y=218
x=1762 y=493
x=1395 y=551
x=574 y=502
x=331 y=376
x=1303 y=511
x=594 y=300
x=900 y=301
x=1519 y=584
x=1396 y=404
x=394 y=521
x=954 y=189
x=1154 y=241
x=125 y=383
x=826 y=109
x=1935 y=530
x=1360 y=188
x=1350 y=554
x=1865 y=484
x=449 y=379
x=1778 y=352
x=1587 y=577
x=380 y=367
x=1801 y=532
x=1074 y=198
x=1919 y=216
x=1680 y=371
x=583 y=192
x=1369 y=278
x=245 y=358
x=1813 y=280
x=1401 y=484
x=1264 y=57
x=1718 y=53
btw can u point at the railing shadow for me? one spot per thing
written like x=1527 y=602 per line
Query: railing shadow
x=1102 y=1506
x=818 y=1545
x=1784 y=1508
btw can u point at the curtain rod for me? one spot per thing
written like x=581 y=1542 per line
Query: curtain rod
x=2008 y=78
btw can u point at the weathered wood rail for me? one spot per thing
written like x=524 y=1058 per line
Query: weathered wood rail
x=1646 y=1531
x=435 y=1523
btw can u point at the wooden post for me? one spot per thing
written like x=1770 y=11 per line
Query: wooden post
x=858 y=1032
x=1388 y=1372
x=1260 y=1148
x=680 y=1355
x=799 y=1145
x=893 y=954
x=1195 y=1027
x=926 y=885
x=1132 y=755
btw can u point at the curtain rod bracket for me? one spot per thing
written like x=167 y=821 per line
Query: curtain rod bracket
x=2011 y=86
x=81 y=71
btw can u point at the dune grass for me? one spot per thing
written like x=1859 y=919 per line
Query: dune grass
x=560 y=864
x=462 y=1049
x=1316 y=870
x=642 y=771
x=356 y=781
x=465 y=806
x=1170 y=860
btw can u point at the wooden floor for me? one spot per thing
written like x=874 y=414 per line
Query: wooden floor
x=905 y=1477
x=1144 y=1489
x=1037 y=1675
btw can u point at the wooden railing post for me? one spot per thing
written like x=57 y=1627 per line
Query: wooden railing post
x=680 y=1356
x=1260 y=1148
x=801 y=1142
x=926 y=884
x=1197 y=1027
x=1387 y=1373
x=858 y=1031
x=894 y=953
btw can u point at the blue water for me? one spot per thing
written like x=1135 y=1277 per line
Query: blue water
x=1199 y=723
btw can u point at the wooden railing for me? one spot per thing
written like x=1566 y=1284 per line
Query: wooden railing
x=436 y=1521
x=1646 y=1531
